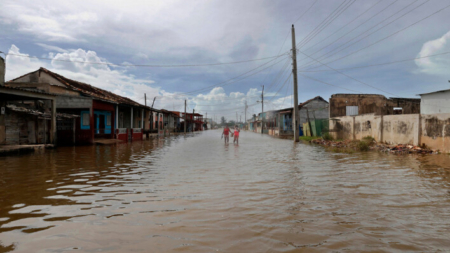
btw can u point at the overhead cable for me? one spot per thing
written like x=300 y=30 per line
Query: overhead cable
x=147 y=65
x=378 y=41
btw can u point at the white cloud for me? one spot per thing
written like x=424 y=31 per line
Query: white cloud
x=52 y=48
x=102 y=76
x=437 y=65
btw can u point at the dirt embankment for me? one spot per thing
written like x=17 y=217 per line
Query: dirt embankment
x=370 y=144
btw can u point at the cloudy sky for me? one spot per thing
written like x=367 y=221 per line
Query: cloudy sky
x=218 y=54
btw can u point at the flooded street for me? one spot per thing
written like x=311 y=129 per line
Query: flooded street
x=195 y=194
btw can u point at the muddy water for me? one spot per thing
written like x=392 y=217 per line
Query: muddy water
x=195 y=194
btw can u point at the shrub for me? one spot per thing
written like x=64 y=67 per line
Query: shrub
x=368 y=139
x=327 y=137
x=363 y=146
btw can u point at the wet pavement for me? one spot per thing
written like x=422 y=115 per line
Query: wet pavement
x=195 y=194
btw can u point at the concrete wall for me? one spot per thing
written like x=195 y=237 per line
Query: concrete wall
x=394 y=129
x=436 y=131
x=438 y=102
x=2 y=71
x=401 y=129
x=342 y=128
x=368 y=125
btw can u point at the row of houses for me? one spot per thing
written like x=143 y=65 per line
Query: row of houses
x=317 y=109
x=43 y=107
x=417 y=121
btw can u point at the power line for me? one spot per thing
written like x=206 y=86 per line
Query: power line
x=328 y=22
x=434 y=13
x=347 y=75
x=359 y=35
x=345 y=25
x=379 y=64
x=232 y=80
x=146 y=65
x=331 y=43
x=317 y=80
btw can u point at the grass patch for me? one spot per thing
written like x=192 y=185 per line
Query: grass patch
x=327 y=137
x=363 y=146
x=368 y=139
x=308 y=138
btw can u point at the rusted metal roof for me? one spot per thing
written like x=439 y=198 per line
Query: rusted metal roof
x=39 y=113
x=92 y=91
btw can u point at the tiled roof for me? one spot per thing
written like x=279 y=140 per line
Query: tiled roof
x=92 y=91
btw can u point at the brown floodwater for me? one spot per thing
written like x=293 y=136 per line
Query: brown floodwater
x=195 y=194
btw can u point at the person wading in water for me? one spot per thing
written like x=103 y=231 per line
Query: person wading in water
x=236 y=134
x=226 y=134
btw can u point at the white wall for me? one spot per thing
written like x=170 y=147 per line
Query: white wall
x=434 y=103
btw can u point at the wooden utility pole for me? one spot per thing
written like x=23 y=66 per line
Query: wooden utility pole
x=245 y=111
x=262 y=110
x=185 y=122
x=295 y=117
x=153 y=101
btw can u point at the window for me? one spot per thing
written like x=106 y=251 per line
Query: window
x=351 y=110
x=108 y=120
x=85 y=120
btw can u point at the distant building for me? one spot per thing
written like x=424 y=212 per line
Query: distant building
x=312 y=109
x=435 y=102
x=358 y=104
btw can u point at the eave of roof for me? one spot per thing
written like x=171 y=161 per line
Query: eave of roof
x=433 y=92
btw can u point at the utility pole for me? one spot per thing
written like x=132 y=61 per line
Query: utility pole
x=185 y=122
x=295 y=117
x=262 y=110
x=206 y=120
x=246 y=111
x=145 y=98
x=153 y=101
x=193 y=122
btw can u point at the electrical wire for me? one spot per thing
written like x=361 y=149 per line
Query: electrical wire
x=367 y=30
x=379 y=64
x=146 y=65
x=331 y=43
x=384 y=38
x=320 y=24
x=317 y=80
x=347 y=75
x=329 y=22
x=345 y=25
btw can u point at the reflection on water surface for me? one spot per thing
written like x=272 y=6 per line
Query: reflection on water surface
x=195 y=194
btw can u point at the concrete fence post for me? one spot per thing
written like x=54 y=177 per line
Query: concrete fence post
x=353 y=129
x=419 y=131
x=382 y=128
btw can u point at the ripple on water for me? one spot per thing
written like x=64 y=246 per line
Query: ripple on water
x=195 y=194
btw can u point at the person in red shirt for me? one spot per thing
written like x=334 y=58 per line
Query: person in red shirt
x=236 y=134
x=226 y=134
